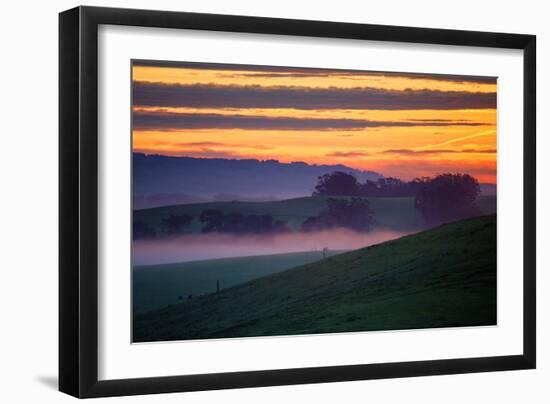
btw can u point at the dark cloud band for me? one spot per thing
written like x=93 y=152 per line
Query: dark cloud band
x=411 y=152
x=173 y=121
x=214 y=96
x=278 y=71
x=352 y=153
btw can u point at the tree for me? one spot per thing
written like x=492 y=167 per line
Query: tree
x=214 y=220
x=238 y=223
x=416 y=185
x=447 y=197
x=234 y=222
x=354 y=214
x=337 y=183
x=370 y=188
x=174 y=224
x=141 y=230
x=390 y=187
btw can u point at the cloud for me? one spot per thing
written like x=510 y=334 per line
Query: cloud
x=461 y=138
x=225 y=145
x=218 y=96
x=278 y=71
x=488 y=151
x=416 y=152
x=206 y=152
x=202 y=144
x=162 y=120
x=360 y=75
x=440 y=120
x=352 y=153
x=436 y=151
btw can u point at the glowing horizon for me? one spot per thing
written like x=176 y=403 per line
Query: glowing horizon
x=398 y=124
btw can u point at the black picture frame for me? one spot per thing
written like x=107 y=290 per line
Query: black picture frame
x=78 y=206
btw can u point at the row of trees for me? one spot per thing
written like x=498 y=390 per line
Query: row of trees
x=171 y=225
x=446 y=197
x=237 y=223
x=340 y=183
x=353 y=214
x=213 y=221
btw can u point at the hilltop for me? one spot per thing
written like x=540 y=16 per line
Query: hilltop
x=166 y=180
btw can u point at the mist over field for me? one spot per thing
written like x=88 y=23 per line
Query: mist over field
x=195 y=247
x=274 y=200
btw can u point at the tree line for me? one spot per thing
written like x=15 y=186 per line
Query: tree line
x=339 y=183
x=213 y=221
x=443 y=198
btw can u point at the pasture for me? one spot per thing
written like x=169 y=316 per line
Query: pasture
x=158 y=286
x=442 y=277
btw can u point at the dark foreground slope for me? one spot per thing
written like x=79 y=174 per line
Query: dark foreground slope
x=442 y=277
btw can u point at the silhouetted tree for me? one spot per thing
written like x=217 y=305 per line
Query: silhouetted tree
x=175 y=224
x=354 y=214
x=447 y=197
x=237 y=223
x=337 y=183
x=234 y=223
x=214 y=220
x=280 y=226
x=141 y=230
x=416 y=185
x=390 y=187
x=370 y=188
x=259 y=223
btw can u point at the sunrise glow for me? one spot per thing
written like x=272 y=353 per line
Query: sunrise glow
x=399 y=125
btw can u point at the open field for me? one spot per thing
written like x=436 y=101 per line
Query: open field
x=157 y=286
x=388 y=213
x=442 y=277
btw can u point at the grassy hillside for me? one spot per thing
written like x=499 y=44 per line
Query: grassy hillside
x=157 y=286
x=388 y=213
x=438 y=278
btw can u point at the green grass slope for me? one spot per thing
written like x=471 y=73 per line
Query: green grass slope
x=157 y=286
x=388 y=213
x=442 y=277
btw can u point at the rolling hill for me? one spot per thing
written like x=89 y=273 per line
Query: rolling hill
x=158 y=180
x=442 y=277
x=388 y=213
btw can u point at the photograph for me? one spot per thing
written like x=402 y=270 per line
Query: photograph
x=273 y=201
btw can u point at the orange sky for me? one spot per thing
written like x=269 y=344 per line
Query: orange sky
x=399 y=125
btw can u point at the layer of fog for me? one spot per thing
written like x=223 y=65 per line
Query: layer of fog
x=195 y=247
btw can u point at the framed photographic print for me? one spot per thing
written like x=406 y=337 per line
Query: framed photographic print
x=251 y=201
